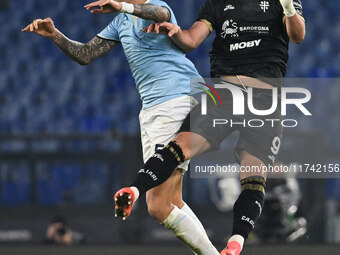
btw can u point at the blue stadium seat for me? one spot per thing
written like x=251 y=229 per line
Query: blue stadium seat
x=15 y=184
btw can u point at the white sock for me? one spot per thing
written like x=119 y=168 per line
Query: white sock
x=186 y=230
x=188 y=211
x=136 y=191
x=238 y=239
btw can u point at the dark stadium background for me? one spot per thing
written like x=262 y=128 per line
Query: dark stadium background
x=69 y=136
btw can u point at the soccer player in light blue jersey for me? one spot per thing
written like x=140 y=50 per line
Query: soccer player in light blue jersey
x=162 y=74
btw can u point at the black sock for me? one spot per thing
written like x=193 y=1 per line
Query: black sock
x=248 y=207
x=159 y=167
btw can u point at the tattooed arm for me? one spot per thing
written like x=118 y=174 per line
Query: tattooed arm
x=144 y=11
x=82 y=53
x=152 y=12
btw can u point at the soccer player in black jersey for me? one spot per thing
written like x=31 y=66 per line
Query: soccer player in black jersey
x=250 y=51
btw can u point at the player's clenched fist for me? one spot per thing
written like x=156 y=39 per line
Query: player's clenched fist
x=163 y=28
x=43 y=27
x=104 y=6
x=288 y=7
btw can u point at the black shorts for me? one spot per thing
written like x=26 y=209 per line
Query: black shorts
x=259 y=135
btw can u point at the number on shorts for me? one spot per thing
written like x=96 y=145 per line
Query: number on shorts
x=276 y=145
x=275 y=148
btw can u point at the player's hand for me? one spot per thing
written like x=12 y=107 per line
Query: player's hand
x=43 y=27
x=288 y=7
x=163 y=28
x=104 y=6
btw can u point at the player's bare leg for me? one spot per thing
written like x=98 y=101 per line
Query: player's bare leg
x=177 y=196
x=177 y=199
x=192 y=144
x=248 y=207
x=160 y=199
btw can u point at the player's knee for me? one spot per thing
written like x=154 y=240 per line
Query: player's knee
x=183 y=140
x=192 y=144
x=248 y=159
x=252 y=166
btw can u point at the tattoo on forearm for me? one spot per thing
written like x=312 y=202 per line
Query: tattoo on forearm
x=152 y=12
x=83 y=53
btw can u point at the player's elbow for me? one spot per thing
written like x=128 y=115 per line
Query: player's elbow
x=164 y=15
x=301 y=38
x=298 y=41
x=185 y=47
x=189 y=49
x=162 y=18
x=83 y=62
x=298 y=38
x=192 y=43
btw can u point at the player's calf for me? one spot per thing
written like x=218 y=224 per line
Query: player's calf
x=161 y=200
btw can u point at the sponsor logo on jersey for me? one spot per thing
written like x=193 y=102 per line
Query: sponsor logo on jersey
x=264 y=6
x=256 y=29
x=229 y=7
x=243 y=45
x=229 y=27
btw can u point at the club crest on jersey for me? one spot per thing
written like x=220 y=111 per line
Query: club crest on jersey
x=229 y=27
x=264 y=6
x=229 y=7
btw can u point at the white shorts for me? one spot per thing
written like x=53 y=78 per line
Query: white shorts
x=160 y=124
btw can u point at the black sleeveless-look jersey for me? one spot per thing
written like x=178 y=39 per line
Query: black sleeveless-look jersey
x=251 y=38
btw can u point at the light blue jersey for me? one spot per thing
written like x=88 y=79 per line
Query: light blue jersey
x=161 y=70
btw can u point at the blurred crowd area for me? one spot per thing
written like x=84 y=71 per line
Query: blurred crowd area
x=43 y=92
